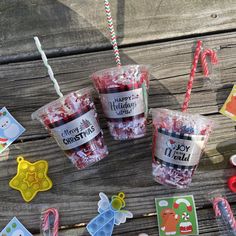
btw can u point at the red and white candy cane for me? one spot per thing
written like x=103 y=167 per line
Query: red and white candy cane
x=222 y=209
x=213 y=57
x=46 y=222
x=112 y=32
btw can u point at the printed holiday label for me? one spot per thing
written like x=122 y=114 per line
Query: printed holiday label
x=179 y=149
x=15 y=228
x=229 y=108
x=77 y=132
x=10 y=129
x=177 y=216
x=123 y=104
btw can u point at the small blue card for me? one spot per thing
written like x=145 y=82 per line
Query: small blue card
x=15 y=228
x=10 y=129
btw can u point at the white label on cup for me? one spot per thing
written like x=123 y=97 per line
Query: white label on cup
x=123 y=104
x=178 y=149
x=77 y=132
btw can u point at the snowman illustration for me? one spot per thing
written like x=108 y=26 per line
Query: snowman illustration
x=9 y=128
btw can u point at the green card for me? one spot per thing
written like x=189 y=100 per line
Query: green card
x=229 y=108
x=177 y=215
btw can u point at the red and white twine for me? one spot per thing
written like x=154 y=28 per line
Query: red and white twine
x=112 y=32
x=203 y=55
x=46 y=222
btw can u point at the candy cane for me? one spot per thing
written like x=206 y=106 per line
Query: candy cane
x=222 y=209
x=185 y=201
x=46 y=221
x=213 y=57
x=112 y=32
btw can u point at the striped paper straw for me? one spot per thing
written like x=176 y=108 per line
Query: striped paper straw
x=192 y=75
x=45 y=61
x=112 y=32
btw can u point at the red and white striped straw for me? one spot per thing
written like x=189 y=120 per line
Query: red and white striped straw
x=192 y=75
x=213 y=58
x=112 y=32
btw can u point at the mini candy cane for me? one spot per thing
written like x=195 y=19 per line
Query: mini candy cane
x=47 y=222
x=224 y=213
x=212 y=54
x=50 y=71
x=112 y=32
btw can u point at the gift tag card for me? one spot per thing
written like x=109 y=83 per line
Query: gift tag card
x=229 y=108
x=10 y=129
x=15 y=228
x=177 y=216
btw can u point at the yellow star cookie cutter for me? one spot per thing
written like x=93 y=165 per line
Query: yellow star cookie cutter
x=31 y=178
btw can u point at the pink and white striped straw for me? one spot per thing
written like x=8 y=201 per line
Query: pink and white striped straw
x=192 y=75
x=112 y=32
x=46 y=223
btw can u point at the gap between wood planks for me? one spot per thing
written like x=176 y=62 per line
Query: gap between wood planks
x=61 y=52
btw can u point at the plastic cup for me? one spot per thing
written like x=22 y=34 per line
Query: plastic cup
x=72 y=121
x=123 y=94
x=179 y=140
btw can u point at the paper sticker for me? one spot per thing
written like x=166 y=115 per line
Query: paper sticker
x=229 y=108
x=77 y=132
x=123 y=104
x=15 y=228
x=10 y=129
x=177 y=149
x=177 y=216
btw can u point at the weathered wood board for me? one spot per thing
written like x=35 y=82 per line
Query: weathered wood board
x=74 y=34
x=207 y=226
x=76 y=192
x=71 y=26
x=170 y=65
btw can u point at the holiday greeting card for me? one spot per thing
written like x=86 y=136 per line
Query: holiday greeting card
x=177 y=216
x=15 y=228
x=10 y=129
x=229 y=108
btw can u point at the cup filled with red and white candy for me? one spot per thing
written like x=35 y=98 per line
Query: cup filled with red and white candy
x=72 y=121
x=123 y=93
x=179 y=140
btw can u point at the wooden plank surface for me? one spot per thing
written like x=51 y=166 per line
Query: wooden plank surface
x=207 y=226
x=75 y=193
x=169 y=76
x=72 y=26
